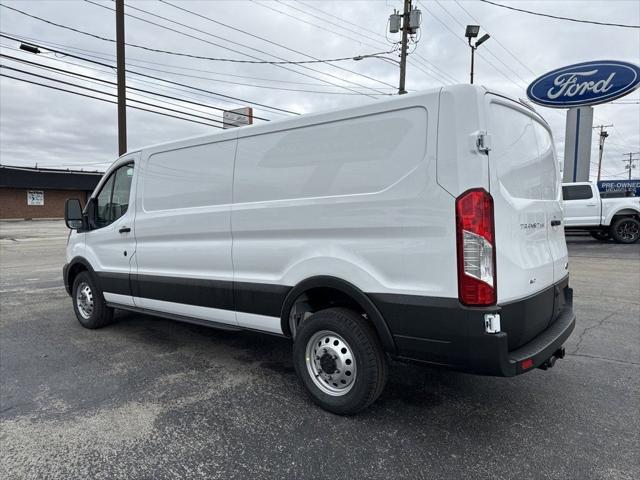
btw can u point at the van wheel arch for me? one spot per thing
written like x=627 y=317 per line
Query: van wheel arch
x=320 y=292
x=78 y=265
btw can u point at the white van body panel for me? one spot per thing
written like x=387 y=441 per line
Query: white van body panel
x=461 y=166
x=105 y=247
x=524 y=177
x=359 y=202
x=183 y=220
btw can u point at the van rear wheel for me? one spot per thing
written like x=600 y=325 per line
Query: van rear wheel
x=88 y=303
x=626 y=230
x=338 y=357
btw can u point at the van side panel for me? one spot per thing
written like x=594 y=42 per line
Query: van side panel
x=349 y=198
x=461 y=117
x=182 y=230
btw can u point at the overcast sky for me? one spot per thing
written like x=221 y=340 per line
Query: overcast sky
x=57 y=129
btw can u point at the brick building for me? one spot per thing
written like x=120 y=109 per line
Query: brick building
x=41 y=192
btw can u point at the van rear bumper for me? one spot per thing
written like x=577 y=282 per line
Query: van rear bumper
x=444 y=332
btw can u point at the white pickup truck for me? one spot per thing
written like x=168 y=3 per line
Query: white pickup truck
x=603 y=216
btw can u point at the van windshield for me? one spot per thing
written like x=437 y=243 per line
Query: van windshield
x=524 y=154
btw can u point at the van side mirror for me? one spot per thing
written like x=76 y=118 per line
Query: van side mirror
x=73 y=214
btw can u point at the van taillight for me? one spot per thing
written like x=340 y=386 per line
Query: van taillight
x=475 y=235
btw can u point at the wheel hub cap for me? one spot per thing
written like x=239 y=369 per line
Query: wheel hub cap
x=331 y=363
x=84 y=300
x=328 y=364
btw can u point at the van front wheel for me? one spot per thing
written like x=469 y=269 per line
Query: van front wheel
x=339 y=359
x=88 y=304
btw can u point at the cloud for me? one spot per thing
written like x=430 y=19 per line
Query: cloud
x=39 y=125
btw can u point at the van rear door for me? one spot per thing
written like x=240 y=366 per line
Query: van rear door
x=524 y=182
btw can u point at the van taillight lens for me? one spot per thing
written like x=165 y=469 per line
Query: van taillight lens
x=476 y=248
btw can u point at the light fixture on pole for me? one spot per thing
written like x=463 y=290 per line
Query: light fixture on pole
x=29 y=48
x=379 y=57
x=472 y=31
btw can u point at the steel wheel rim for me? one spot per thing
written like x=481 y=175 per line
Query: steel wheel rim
x=84 y=300
x=331 y=363
x=628 y=231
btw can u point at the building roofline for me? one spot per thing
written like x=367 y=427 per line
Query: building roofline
x=53 y=170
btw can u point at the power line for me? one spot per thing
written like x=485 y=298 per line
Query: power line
x=340 y=19
x=105 y=56
x=315 y=25
x=236 y=29
x=107 y=93
x=305 y=21
x=269 y=87
x=104 y=99
x=322 y=19
x=593 y=22
x=182 y=54
x=110 y=71
x=488 y=49
x=134 y=90
x=159 y=78
x=257 y=60
x=497 y=41
x=464 y=43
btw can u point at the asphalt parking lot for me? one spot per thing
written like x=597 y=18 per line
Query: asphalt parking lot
x=151 y=398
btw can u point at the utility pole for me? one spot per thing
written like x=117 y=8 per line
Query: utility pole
x=409 y=22
x=630 y=160
x=122 y=85
x=603 y=136
x=403 y=51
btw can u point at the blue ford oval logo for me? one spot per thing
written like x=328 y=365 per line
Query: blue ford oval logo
x=587 y=83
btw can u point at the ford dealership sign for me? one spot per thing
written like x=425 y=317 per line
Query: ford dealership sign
x=587 y=83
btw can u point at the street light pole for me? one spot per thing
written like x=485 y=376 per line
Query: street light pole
x=473 y=51
x=472 y=32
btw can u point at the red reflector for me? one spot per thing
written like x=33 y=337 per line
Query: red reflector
x=528 y=363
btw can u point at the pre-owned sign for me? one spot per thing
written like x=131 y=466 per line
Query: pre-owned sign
x=582 y=84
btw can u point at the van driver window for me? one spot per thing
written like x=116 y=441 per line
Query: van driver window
x=113 y=200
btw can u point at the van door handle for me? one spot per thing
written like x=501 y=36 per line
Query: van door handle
x=124 y=230
x=556 y=223
x=591 y=204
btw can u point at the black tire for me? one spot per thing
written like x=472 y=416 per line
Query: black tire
x=100 y=315
x=368 y=356
x=601 y=235
x=625 y=230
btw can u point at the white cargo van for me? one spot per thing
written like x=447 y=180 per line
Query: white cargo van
x=426 y=228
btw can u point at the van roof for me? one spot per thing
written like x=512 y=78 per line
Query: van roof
x=328 y=115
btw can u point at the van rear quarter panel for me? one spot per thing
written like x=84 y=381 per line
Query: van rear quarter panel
x=354 y=198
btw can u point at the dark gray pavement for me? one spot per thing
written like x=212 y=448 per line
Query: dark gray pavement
x=148 y=398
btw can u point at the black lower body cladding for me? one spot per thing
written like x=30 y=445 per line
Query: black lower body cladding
x=438 y=331
x=441 y=331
